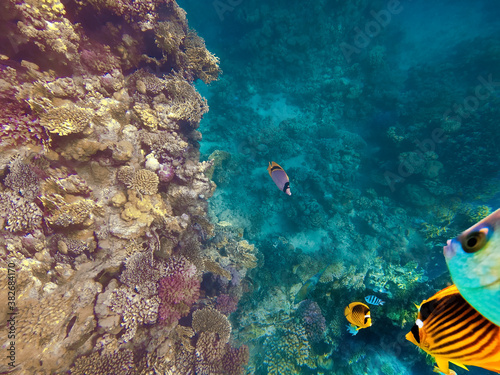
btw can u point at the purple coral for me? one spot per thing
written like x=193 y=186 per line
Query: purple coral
x=166 y=172
x=312 y=319
x=178 y=290
x=226 y=304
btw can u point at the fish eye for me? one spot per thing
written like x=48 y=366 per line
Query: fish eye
x=475 y=241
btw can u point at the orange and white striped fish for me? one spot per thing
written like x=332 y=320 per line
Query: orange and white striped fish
x=451 y=330
x=358 y=314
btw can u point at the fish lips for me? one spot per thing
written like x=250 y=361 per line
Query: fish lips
x=451 y=248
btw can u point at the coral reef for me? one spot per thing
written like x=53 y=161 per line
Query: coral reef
x=102 y=192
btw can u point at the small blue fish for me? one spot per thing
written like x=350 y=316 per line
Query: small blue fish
x=374 y=300
x=308 y=286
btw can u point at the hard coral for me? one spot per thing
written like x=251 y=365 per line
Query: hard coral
x=312 y=319
x=210 y=320
x=287 y=349
x=120 y=362
x=135 y=309
x=20 y=214
x=201 y=62
x=66 y=119
x=178 y=290
x=64 y=214
x=143 y=181
x=22 y=179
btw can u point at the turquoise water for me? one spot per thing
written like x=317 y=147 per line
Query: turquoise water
x=389 y=137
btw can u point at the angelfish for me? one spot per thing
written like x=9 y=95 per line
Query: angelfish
x=308 y=286
x=279 y=177
x=473 y=259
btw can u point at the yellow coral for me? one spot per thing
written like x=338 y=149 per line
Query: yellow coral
x=147 y=116
x=66 y=119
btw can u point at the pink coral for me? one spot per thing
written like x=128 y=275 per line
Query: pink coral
x=178 y=290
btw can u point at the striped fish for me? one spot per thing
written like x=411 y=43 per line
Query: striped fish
x=451 y=330
x=374 y=300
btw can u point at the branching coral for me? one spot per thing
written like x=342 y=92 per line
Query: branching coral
x=312 y=319
x=135 y=310
x=64 y=214
x=20 y=214
x=204 y=64
x=178 y=290
x=22 y=179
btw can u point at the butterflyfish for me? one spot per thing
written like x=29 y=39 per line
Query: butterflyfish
x=279 y=177
x=374 y=300
x=358 y=314
x=308 y=286
x=473 y=259
x=451 y=330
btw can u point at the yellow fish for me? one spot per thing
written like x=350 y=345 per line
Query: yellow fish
x=358 y=314
x=451 y=330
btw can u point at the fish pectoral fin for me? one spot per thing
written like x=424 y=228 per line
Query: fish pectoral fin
x=443 y=364
x=460 y=365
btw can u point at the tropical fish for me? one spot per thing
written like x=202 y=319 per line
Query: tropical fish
x=473 y=259
x=451 y=330
x=308 y=286
x=358 y=314
x=374 y=300
x=279 y=177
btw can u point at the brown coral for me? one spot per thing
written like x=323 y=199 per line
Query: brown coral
x=146 y=182
x=143 y=181
x=65 y=214
x=120 y=362
x=211 y=320
x=20 y=214
x=204 y=64
x=135 y=310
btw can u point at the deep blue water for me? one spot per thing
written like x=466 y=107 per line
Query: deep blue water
x=385 y=118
